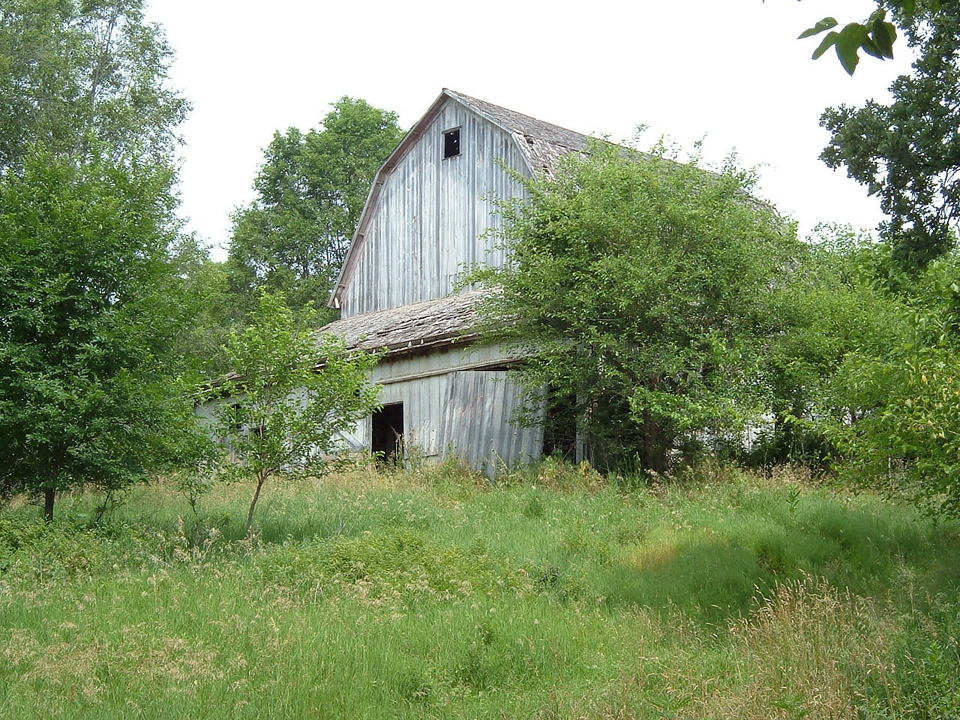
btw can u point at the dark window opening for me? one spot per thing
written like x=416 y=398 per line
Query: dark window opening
x=387 y=433
x=236 y=423
x=451 y=143
x=560 y=428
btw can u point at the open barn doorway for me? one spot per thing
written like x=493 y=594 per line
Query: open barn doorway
x=387 y=433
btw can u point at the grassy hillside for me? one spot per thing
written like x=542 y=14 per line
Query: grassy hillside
x=428 y=594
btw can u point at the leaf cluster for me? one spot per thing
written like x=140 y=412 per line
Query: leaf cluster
x=875 y=37
x=908 y=152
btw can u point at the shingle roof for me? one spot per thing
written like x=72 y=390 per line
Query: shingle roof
x=411 y=327
x=542 y=142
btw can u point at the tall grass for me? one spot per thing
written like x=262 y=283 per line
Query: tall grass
x=430 y=594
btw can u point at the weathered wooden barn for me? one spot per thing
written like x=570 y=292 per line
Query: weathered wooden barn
x=432 y=211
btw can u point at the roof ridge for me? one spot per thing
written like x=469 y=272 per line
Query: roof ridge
x=480 y=104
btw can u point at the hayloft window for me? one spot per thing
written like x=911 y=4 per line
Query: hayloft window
x=451 y=143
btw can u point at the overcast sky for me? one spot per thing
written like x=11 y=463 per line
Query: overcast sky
x=730 y=70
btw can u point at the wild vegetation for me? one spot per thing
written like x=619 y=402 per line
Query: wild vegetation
x=643 y=292
x=664 y=307
x=279 y=414
x=89 y=297
x=429 y=593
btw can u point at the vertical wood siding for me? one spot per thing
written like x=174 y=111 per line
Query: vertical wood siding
x=477 y=421
x=433 y=215
x=467 y=413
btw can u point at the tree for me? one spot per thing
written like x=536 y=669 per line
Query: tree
x=908 y=152
x=832 y=306
x=280 y=411
x=639 y=293
x=79 y=77
x=874 y=36
x=213 y=305
x=906 y=434
x=310 y=191
x=90 y=303
x=90 y=310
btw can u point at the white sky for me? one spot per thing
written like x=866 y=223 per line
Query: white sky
x=730 y=70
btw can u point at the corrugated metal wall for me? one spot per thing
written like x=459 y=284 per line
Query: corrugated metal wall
x=433 y=215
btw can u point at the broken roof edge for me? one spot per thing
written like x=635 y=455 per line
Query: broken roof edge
x=448 y=319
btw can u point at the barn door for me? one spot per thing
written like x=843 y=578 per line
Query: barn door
x=478 y=421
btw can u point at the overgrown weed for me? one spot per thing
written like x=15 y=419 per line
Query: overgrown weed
x=432 y=592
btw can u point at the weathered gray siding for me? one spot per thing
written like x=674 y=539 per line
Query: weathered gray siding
x=433 y=215
x=450 y=407
x=480 y=406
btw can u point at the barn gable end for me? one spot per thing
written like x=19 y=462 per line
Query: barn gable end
x=427 y=216
x=431 y=215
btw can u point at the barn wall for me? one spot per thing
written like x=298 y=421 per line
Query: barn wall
x=480 y=405
x=433 y=214
x=466 y=412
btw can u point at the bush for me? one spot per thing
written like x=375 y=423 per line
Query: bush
x=42 y=552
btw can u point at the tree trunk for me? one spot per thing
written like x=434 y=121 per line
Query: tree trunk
x=49 y=496
x=654 y=445
x=253 y=503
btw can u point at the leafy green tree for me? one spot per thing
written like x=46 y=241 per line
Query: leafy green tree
x=289 y=397
x=80 y=77
x=640 y=293
x=91 y=304
x=310 y=191
x=905 y=433
x=88 y=313
x=832 y=306
x=908 y=152
x=213 y=305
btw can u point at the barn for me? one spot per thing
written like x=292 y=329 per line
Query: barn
x=432 y=210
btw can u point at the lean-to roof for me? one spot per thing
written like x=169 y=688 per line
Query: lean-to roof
x=409 y=328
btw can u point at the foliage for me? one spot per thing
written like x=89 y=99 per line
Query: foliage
x=726 y=595
x=641 y=293
x=216 y=309
x=907 y=429
x=279 y=411
x=90 y=312
x=874 y=36
x=908 y=152
x=81 y=77
x=310 y=191
x=833 y=306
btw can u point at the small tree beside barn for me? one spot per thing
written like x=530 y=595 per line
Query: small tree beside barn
x=281 y=412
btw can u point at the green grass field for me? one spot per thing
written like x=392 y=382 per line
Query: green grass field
x=427 y=594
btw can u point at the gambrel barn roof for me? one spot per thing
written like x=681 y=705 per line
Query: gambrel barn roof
x=541 y=144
